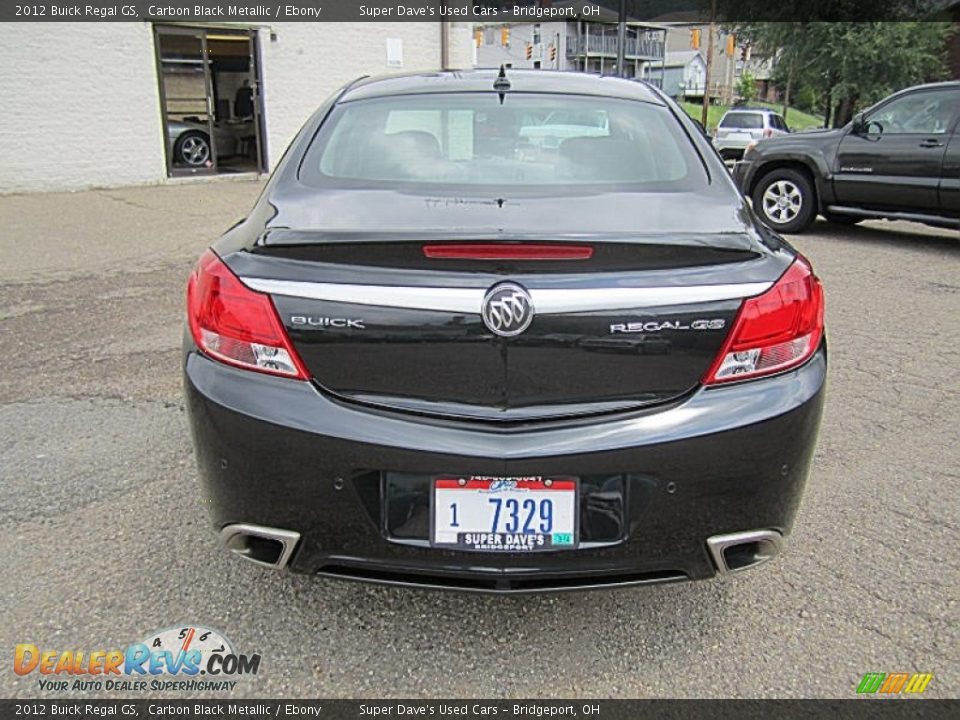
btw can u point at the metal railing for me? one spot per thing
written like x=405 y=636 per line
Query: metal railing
x=636 y=47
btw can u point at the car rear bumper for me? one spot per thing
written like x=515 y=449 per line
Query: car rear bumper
x=731 y=144
x=351 y=485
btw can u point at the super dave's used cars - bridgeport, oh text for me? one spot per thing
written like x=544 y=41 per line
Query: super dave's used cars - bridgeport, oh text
x=448 y=349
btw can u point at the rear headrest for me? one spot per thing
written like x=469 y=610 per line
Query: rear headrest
x=414 y=144
x=604 y=158
x=401 y=155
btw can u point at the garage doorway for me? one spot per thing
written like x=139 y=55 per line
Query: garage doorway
x=210 y=100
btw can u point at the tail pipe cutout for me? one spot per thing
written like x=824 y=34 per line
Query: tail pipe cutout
x=739 y=551
x=265 y=546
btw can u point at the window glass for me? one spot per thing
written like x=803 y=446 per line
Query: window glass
x=750 y=121
x=928 y=112
x=471 y=139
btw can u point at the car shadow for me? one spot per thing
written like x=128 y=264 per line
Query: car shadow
x=880 y=233
x=599 y=629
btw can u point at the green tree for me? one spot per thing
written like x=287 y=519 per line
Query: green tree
x=793 y=46
x=747 y=86
x=852 y=64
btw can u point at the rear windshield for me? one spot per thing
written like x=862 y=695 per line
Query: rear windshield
x=468 y=140
x=751 y=121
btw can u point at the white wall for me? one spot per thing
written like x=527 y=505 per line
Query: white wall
x=309 y=61
x=694 y=76
x=80 y=106
x=81 y=103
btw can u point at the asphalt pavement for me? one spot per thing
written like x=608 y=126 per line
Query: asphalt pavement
x=104 y=536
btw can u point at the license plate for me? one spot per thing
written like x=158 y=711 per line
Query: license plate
x=505 y=514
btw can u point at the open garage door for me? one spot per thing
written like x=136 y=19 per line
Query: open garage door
x=210 y=100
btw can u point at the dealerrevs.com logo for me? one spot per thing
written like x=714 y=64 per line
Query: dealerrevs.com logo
x=189 y=658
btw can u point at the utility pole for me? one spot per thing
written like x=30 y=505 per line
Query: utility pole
x=731 y=76
x=444 y=45
x=445 y=41
x=711 y=31
x=622 y=39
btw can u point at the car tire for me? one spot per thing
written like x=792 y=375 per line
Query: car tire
x=785 y=200
x=842 y=219
x=192 y=149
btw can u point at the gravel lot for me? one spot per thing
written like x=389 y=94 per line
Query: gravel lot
x=105 y=537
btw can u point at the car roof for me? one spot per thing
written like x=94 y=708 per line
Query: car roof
x=913 y=88
x=931 y=86
x=769 y=111
x=530 y=81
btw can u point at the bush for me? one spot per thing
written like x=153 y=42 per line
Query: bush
x=806 y=100
x=747 y=86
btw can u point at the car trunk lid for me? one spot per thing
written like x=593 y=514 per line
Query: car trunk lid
x=378 y=320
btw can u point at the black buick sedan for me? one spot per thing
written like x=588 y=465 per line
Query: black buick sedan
x=503 y=332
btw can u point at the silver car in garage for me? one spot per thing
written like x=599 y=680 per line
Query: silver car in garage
x=191 y=143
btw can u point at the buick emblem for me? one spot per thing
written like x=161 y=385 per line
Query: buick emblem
x=507 y=309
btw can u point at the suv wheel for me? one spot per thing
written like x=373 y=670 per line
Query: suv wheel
x=785 y=200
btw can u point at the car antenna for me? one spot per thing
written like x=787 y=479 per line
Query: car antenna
x=501 y=84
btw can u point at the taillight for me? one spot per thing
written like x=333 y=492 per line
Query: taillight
x=237 y=325
x=768 y=133
x=775 y=331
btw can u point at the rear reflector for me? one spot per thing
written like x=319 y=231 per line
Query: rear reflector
x=775 y=331
x=507 y=251
x=236 y=325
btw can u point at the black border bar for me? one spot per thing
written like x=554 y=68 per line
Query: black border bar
x=270 y=709
x=491 y=11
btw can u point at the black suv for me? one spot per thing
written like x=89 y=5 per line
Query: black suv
x=898 y=160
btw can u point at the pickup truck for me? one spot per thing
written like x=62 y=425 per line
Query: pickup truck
x=900 y=160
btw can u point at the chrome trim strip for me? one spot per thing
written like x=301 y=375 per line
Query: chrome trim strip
x=570 y=301
x=469 y=300
x=462 y=300
x=287 y=538
x=719 y=543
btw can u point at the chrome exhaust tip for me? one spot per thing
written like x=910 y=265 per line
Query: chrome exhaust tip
x=266 y=546
x=739 y=551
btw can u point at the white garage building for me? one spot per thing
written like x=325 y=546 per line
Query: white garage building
x=110 y=104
